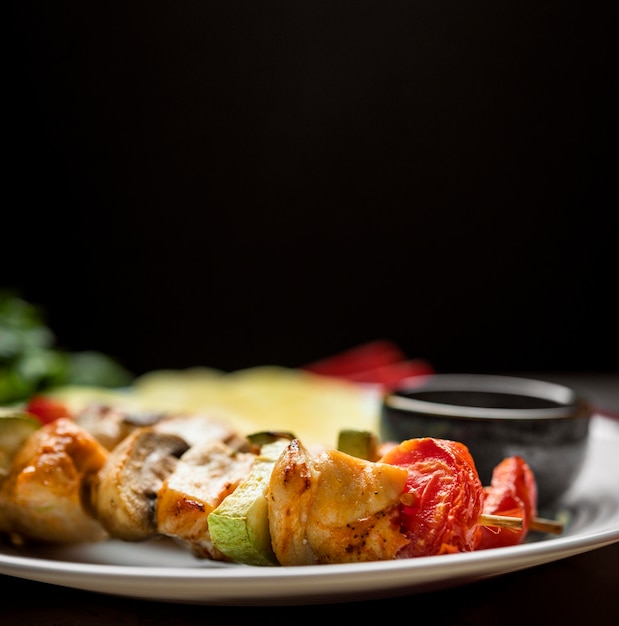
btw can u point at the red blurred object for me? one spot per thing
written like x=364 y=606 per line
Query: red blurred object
x=390 y=375
x=376 y=362
x=46 y=409
x=367 y=356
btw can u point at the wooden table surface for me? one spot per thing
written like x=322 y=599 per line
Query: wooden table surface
x=580 y=589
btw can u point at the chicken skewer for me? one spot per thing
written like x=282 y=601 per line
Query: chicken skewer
x=182 y=483
x=367 y=445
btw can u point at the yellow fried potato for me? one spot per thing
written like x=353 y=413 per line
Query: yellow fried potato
x=315 y=408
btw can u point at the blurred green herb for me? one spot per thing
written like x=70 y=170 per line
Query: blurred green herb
x=32 y=362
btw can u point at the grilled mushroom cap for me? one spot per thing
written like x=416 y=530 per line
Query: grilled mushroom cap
x=124 y=492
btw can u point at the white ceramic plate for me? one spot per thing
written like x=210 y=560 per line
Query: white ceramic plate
x=160 y=570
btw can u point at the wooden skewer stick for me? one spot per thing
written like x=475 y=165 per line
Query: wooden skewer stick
x=543 y=525
x=502 y=521
x=538 y=524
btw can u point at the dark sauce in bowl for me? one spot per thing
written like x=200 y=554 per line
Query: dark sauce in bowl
x=485 y=399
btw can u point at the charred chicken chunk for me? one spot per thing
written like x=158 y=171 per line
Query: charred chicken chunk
x=43 y=496
x=334 y=508
x=203 y=477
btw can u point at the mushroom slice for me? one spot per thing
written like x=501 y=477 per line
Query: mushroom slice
x=202 y=478
x=334 y=508
x=124 y=491
x=42 y=496
x=110 y=424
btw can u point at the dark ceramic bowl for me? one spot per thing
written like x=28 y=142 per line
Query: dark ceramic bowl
x=495 y=417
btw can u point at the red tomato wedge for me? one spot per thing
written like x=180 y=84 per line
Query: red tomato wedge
x=443 y=497
x=46 y=409
x=512 y=492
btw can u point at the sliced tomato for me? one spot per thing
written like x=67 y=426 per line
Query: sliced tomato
x=47 y=409
x=512 y=492
x=443 y=497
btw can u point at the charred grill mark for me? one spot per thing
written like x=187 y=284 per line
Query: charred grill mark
x=289 y=474
x=307 y=482
x=182 y=506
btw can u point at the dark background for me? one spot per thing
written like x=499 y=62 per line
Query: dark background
x=241 y=183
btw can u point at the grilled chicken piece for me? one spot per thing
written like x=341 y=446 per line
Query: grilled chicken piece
x=42 y=497
x=124 y=491
x=334 y=508
x=203 y=477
